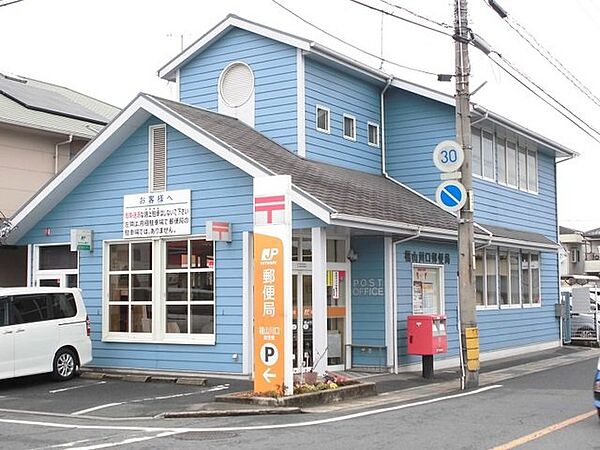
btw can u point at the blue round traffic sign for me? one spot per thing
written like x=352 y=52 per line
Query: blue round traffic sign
x=451 y=195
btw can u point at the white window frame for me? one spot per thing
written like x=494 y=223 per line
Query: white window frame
x=483 y=159
x=353 y=119
x=476 y=133
x=376 y=126
x=48 y=273
x=485 y=305
x=186 y=337
x=539 y=281
x=323 y=108
x=158 y=334
x=441 y=278
x=519 y=146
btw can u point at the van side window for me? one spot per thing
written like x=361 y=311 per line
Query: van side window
x=30 y=308
x=63 y=305
x=3 y=311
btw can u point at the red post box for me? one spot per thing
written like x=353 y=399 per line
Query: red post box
x=427 y=335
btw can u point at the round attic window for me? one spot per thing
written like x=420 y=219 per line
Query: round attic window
x=237 y=84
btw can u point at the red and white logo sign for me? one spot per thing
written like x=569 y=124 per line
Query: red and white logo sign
x=269 y=210
x=218 y=231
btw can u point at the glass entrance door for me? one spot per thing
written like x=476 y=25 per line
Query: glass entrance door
x=302 y=325
x=336 y=318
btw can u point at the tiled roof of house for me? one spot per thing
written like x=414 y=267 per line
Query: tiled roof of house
x=44 y=106
x=592 y=233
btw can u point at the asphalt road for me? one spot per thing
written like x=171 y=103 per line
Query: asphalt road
x=478 y=420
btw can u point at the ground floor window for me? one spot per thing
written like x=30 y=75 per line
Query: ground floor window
x=508 y=278
x=161 y=290
x=55 y=265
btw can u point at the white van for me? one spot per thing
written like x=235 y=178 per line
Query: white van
x=42 y=330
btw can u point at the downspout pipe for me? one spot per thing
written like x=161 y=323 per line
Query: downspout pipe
x=56 y=146
x=382 y=109
x=395 y=296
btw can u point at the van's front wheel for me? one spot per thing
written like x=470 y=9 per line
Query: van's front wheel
x=65 y=365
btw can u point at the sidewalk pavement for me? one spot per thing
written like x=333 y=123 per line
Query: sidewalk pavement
x=410 y=386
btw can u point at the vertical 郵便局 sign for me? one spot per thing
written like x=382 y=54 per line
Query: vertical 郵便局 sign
x=272 y=284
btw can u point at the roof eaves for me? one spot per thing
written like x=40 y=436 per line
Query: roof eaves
x=62 y=131
x=390 y=225
x=168 y=71
x=560 y=149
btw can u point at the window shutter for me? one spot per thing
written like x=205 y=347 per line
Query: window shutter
x=158 y=158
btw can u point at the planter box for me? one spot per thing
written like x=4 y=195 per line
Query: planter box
x=342 y=393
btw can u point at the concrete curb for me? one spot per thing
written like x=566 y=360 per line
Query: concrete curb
x=350 y=392
x=230 y=413
x=143 y=378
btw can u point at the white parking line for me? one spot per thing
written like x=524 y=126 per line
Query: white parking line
x=254 y=427
x=220 y=387
x=76 y=387
x=96 y=408
x=129 y=441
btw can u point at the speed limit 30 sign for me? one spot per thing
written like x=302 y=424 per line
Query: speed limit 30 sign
x=448 y=156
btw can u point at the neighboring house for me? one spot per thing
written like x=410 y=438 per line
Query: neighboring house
x=369 y=245
x=42 y=127
x=582 y=255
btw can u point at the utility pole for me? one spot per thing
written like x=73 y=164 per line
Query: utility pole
x=466 y=244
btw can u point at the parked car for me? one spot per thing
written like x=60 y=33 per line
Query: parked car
x=597 y=388
x=43 y=330
x=585 y=325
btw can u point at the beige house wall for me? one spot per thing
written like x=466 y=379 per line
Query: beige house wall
x=27 y=162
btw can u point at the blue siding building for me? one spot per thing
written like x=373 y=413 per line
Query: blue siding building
x=369 y=245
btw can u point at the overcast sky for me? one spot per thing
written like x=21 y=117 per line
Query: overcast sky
x=113 y=49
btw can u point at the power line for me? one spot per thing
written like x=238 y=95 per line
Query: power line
x=427 y=19
x=401 y=18
x=10 y=3
x=553 y=106
x=542 y=51
x=350 y=44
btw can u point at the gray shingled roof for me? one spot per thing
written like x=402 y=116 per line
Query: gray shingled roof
x=592 y=233
x=518 y=235
x=347 y=191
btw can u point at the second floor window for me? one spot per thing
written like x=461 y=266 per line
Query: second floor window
x=373 y=134
x=322 y=119
x=349 y=127
x=500 y=159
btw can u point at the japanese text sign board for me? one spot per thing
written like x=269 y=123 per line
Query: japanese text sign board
x=218 y=231
x=156 y=214
x=272 y=284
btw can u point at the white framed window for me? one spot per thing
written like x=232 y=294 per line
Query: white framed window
x=189 y=287
x=373 y=132
x=349 y=127
x=476 y=149
x=575 y=255
x=507 y=278
x=500 y=159
x=428 y=289
x=55 y=265
x=486 y=278
x=159 y=291
x=511 y=164
x=322 y=118
x=129 y=288
x=157 y=158
x=488 y=154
